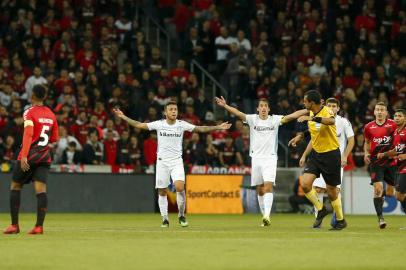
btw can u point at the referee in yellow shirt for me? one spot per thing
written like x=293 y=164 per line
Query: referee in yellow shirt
x=324 y=159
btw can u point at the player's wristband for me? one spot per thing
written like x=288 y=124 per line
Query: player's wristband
x=316 y=119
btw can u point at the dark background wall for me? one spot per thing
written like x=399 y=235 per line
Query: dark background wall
x=98 y=193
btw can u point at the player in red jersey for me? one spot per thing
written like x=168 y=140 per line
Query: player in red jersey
x=399 y=141
x=378 y=139
x=34 y=159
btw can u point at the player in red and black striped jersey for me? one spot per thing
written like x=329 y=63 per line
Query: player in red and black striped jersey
x=34 y=159
x=378 y=139
x=399 y=151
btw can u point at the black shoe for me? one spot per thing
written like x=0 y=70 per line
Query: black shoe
x=339 y=225
x=382 y=223
x=165 y=224
x=320 y=215
x=183 y=222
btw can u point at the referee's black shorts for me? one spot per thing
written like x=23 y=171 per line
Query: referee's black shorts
x=327 y=164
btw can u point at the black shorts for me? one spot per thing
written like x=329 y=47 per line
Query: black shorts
x=401 y=183
x=37 y=172
x=327 y=164
x=381 y=173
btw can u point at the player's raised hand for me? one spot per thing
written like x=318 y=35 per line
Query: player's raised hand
x=24 y=164
x=225 y=125
x=220 y=101
x=118 y=112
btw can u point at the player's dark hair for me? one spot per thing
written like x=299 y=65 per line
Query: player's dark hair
x=381 y=103
x=39 y=91
x=263 y=100
x=334 y=101
x=402 y=111
x=313 y=96
x=170 y=103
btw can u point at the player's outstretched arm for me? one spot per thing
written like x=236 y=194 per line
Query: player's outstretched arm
x=323 y=120
x=130 y=121
x=203 y=129
x=222 y=103
x=293 y=116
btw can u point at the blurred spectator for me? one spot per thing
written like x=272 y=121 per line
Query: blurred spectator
x=298 y=198
x=211 y=152
x=194 y=151
x=71 y=155
x=242 y=144
x=228 y=155
x=63 y=142
x=8 y=148
x=358 y=151
x=150 y=148
x=93 y=150
x=135 y=152
x=35 y=79
x=110 y=148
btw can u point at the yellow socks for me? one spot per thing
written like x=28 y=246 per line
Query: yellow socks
x=338 y=209
x=312 y=196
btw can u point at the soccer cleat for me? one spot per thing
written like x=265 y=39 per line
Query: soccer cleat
x=382 y=223
x=37 y=230
x=183 y=222
x=333 y=220
x=320 y=215
x=266 y=222
x=12 y=229
x=339 y=225
x=165 y=224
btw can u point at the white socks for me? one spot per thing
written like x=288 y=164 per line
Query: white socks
x=181 y=201
x=268 y=200
x=163 y=206
x=261 y=203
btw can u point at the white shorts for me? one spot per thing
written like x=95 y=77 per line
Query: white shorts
x=263 y=170
x=320 y=183
x=167 y=169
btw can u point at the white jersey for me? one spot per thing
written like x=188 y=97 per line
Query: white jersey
x=263 y=135
x=344 y=131
x=170 y=137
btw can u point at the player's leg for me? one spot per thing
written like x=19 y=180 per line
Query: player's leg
x=177 y=173
x=258 y=182
x=377 y=178
x=19 y=178
x=401 y=190
x=320 y=186
x=42 y=207
x=162 y=182
x=268 y=169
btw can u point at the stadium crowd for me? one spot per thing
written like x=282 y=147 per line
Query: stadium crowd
x=93 y=56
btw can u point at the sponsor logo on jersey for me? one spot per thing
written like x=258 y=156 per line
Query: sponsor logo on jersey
x=261 y=128
x=383 y=140
x=163 y=133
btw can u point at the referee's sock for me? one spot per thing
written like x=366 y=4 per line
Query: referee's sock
x=338 y=209
x=378 y=203
x=312 y=196
x=42 y=204
x=15 y=201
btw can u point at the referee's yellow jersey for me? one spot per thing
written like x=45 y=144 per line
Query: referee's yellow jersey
x=323 y=137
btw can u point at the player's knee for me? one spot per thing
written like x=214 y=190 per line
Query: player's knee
x=268 y=187
x=306 y=187
x=390 y=191
x=378 y=192
x=162 y=191
x=400 y=196
x=16 y=186
x=320 y=190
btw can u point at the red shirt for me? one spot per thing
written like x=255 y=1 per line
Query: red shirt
x=45 y=131
x=150 y=149
x=110 y=148
x=80 y=131
x=381 y=139
x=399 y=141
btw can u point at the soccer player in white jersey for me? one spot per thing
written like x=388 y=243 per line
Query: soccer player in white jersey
x=169 y=156
x=263 y=149
x=346 y=140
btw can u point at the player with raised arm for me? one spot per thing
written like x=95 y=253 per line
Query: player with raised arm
x=170 y=163
x=263 y=149
x=399 y=152
x=378 y=139
x=34 y=159
x=345 y=135
x=324 y=159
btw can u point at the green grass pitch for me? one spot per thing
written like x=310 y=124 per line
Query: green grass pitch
x=135 y=241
